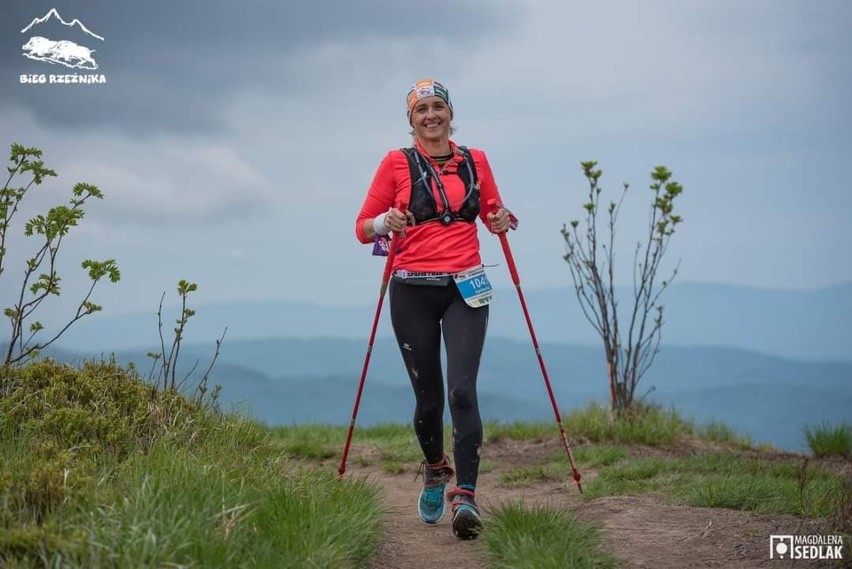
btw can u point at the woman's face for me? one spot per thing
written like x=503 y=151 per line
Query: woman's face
x=430 y=118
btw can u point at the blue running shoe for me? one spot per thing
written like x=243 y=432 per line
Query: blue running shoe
x=467 y=523
x=431 y=502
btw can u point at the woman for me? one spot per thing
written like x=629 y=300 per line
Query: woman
x=438 y=286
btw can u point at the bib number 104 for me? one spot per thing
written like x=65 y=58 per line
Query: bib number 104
x=474 y=287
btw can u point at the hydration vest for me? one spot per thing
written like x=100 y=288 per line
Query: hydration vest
x=422 y=203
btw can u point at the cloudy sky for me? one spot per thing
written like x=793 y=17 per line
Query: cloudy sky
x=235 y=141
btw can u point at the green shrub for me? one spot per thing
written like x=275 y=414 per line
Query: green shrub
x=99 y=408
x=100 y=469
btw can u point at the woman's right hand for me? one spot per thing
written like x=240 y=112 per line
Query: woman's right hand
x=396 y=219
x=393 y=220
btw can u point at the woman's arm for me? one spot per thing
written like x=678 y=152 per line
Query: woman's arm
x=499 y=221
x=380 y=198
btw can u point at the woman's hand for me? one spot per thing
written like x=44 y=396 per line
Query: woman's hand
x=393 y=220
x=499 y=221
x=396 y=220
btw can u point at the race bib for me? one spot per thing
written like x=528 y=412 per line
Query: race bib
x=474 y=287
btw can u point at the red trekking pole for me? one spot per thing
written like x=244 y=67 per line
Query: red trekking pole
x=385 y=280
x=513 y=271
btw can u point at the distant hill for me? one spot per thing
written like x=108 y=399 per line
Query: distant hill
x=812 y=325
x=766 y=362
x=282 y=381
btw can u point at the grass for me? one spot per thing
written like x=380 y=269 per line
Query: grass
x=550 y=537
x=829 y=440
x=647 y=425
x=722 y=434
x=840 y=517
x=153 y=480
x=529 y=475
x=517 y=537
x=395 y=445
x=723 y=480
x=517 y=431
x=558 y=469
x=593 y=456
x=702 y=479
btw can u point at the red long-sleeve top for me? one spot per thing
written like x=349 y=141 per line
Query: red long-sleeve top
x=431 y=246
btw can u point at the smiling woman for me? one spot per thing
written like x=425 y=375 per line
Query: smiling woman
x=429 y=197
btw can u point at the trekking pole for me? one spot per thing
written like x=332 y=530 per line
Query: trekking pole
x=513 y=271
x=385 y=280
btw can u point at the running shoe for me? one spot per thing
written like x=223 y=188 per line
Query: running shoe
x=430 y=505
x=467 y=523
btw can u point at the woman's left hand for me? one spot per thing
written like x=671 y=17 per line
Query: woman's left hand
x=499 y=221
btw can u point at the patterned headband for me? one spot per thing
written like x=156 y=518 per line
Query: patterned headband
x=427 y=88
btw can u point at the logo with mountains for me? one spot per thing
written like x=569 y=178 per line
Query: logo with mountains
x=63 y=50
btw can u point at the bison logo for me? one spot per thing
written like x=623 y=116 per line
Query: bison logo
x=63 y=52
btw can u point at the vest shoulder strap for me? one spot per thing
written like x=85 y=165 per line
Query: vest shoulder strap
x=468 y=158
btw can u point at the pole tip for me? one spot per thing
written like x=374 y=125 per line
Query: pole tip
x=577 y=478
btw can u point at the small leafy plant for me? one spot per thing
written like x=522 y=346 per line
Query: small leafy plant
x=41 y=279
x=164 y=368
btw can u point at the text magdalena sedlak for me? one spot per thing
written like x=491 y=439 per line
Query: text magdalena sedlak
x=40 y=79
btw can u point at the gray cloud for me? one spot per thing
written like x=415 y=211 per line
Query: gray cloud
x=257 y=145
x=174 y=65
x=159 y=182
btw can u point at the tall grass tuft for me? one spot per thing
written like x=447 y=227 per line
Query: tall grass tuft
x=723 y=434
x=644 y=424
x=829 y=440
x=542 y=538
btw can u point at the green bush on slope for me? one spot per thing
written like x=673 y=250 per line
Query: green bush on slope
x=99 y=468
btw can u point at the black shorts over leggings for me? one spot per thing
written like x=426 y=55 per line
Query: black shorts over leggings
x=419 y=314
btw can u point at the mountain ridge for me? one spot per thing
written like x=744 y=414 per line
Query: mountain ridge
x=282 y=381
x=813 y=325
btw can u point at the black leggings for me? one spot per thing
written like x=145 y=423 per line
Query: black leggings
x=418 y=314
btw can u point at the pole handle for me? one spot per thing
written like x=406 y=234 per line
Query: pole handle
x=394 y=242
x=494 y=205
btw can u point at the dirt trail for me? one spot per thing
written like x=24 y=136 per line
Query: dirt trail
x=642 y=531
